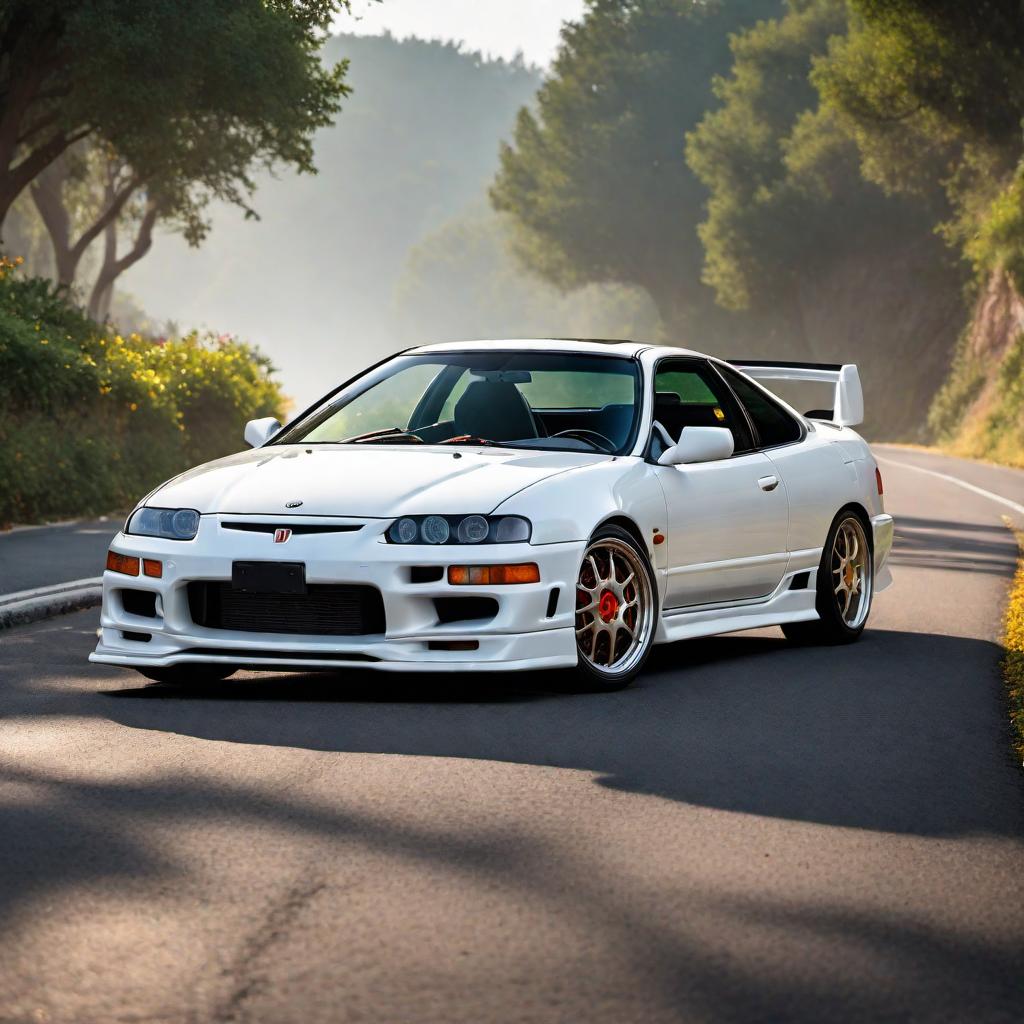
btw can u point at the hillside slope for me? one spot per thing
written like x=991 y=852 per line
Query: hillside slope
x=979 y=413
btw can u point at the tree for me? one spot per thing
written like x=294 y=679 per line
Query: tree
x=595 y=177
x=757 y=217
x=191 y=94
x=933 y=94
x=835 y=268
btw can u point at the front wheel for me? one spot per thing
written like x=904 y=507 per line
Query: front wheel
x=845 y=586
x=615 y=611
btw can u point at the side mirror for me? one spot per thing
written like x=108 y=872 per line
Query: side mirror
x=259 y=432
x=699 y=444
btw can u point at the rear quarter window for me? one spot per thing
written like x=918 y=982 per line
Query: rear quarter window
x=774 y=425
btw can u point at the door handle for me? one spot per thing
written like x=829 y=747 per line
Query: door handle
x=768 y=483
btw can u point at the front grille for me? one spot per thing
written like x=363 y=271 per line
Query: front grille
x=326 y=610
x=298 y=529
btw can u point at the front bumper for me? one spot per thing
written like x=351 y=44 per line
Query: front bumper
x=521 y=635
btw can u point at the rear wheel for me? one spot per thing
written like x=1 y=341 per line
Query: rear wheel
x=615 y=611
x=188 y=675
x=845 y=586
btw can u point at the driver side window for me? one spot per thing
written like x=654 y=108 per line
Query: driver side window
x=688 y=394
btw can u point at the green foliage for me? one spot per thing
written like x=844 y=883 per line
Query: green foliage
x=91 y=421
x=191 y=93
x=759 y=211
x=595 y=177
x=966 y=378
x=933 y=94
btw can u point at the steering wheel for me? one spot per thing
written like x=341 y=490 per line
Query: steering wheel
x=603 y=443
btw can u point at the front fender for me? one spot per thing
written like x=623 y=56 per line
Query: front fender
x=571 y=506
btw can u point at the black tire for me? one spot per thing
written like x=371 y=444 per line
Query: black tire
x=836 y=625
x=188 y=675
x=616 y=552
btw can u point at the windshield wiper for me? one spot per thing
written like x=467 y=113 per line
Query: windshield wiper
x=388 y=434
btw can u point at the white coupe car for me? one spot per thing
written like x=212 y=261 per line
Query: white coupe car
x=509 y=505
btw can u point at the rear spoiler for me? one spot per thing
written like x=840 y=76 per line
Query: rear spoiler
x=848 y=406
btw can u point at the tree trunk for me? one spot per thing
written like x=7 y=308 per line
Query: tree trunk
x=113 y=267
x=103 y=301
x=48 y=194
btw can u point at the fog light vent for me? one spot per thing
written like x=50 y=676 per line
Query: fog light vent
x=139 y=602
x=464 y=609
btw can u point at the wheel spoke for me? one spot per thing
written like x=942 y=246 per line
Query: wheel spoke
x=628 y=604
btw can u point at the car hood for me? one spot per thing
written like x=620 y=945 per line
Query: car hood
x=372 y=482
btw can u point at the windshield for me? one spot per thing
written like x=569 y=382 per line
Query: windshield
x=541 y=400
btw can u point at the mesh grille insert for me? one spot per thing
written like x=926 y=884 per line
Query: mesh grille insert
x=326 y=610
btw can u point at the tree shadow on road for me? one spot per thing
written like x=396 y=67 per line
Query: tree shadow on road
x=900 y=733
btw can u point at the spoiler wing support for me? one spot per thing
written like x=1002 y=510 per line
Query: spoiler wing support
x=848 y=406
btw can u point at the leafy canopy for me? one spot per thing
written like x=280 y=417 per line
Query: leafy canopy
x=933 y=93
x=191 y=93
x=595 y=176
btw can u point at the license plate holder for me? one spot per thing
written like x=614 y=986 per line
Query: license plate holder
x=269 y=577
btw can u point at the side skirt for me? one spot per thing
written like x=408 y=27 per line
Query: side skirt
x=784 y=605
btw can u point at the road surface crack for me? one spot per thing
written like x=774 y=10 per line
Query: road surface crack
x=248 y=977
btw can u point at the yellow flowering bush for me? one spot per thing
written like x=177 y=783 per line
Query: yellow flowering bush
x=91 y=420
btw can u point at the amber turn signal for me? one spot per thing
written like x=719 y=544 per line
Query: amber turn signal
x=493 y=575
x=152 y=567
x=127 y=564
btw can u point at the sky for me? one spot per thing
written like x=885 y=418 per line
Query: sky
x=497 y=28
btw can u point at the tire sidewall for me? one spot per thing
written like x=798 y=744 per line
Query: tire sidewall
x=825 y=601
x=586 y=674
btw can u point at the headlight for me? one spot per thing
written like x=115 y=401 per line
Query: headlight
x=171 y=523
x=473 y=529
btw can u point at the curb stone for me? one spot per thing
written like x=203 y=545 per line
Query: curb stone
x=45 y=602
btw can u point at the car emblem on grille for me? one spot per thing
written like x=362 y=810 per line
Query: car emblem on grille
x=280 y=536
x=293 y=504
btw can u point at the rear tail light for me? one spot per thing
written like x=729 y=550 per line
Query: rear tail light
x=127 y=564
x=493 y=575
x=878 y=481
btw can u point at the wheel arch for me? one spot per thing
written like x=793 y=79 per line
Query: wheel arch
x=865 y=519
x=628 y=524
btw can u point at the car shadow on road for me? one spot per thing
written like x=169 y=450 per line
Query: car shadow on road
x=903 y=732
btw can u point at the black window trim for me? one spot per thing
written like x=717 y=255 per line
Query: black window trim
x=801 y=425
x=698 y=361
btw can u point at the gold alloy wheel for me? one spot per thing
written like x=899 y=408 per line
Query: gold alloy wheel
x=851 y=566
x=614 y=619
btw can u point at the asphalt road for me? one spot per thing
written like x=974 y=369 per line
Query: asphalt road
x=37 y=556
x=752 y=833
